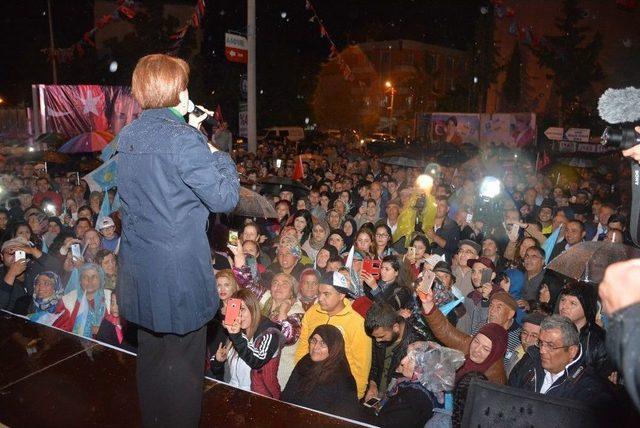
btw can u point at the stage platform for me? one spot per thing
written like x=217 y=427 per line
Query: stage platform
x=51 y=378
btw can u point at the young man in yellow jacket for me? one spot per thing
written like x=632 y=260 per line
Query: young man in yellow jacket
x=334 y=308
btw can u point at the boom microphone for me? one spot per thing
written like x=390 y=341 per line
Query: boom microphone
x=192 y=108
x=620 y=105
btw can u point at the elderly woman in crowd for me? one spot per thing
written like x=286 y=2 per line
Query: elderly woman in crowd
x=308 y=288
x=426 y=373
x=252 y=355
x=316 y=241
x=91 y=245
x=322 y=379
x=85 y=297
x=48 y=307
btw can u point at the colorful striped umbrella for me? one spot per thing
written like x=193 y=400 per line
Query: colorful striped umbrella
x=87 y=142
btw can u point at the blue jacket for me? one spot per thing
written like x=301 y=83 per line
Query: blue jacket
x=168 y=181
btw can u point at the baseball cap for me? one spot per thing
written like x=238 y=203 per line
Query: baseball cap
x=485 y=261
x=337 y=281
x=15 y=242
x=472 y=244
x=104 y=222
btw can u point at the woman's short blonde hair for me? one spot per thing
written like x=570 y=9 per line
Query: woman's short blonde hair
x=158 y=80
x=228 y=273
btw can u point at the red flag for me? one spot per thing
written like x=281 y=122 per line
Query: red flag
x=218 y=114
x=298 y=170
x=543 y=160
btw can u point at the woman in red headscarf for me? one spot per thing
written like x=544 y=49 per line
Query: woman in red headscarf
x=483 y=351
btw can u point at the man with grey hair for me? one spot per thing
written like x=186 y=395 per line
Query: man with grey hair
x=556 y=367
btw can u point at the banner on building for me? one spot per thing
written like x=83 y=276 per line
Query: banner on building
x=74 y=109
x=455 y=128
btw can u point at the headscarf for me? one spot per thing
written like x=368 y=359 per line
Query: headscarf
x=317 y=245
x=49 y=303
x=336 y=364
x=87 y=316
x=349 y=240
x=498 y=336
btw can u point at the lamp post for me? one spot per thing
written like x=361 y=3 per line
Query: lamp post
x=390 y=88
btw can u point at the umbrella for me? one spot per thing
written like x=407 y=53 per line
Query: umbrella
x=48 y=156
x=587 y=261
x=275 y=185
x=87 y=142
x=402 y=161
x=52 y=139
x=251 y=204
x=578 y=162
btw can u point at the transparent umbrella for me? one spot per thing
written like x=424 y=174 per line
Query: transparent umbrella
x=252 y=204
x=587 y=261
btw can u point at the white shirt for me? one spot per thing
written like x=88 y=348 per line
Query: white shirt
x=549 y=380
x=393 y=227
x=239 y=373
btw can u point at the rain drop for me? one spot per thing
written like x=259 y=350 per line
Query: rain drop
x=113 y=67
x=283 y=15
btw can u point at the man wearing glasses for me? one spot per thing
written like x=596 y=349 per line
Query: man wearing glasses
x=556 y=367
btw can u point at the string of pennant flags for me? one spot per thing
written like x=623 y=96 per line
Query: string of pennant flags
x=334 y=54
x=126 y=10
x=195 y=22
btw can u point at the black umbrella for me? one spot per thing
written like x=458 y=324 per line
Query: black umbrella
x=275 y=185
x=252 y=204
x=587 y=261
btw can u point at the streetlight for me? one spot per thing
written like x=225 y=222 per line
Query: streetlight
x=390 y=87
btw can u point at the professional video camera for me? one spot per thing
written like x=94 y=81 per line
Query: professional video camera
x=622 y=107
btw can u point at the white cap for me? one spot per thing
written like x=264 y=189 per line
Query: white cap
x=104 y=222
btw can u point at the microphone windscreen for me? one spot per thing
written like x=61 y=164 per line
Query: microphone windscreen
x=620 y=105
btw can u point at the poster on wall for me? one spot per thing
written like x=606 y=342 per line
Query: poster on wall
x=511 y=130
x=455 y=128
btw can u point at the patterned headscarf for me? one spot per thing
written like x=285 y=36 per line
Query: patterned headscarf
x=48 y=302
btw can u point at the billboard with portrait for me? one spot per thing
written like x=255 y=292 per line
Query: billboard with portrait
x=455 y=128
x=512 y=130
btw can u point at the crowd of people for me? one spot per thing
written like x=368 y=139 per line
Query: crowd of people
x=368 y=297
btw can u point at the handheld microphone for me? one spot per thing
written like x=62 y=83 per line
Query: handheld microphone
x=210 y=120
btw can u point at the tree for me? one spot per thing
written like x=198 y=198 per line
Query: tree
x=484 y=57
x=572 y=58
x=515 y=89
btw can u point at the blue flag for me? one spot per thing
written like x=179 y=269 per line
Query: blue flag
x=103 y=177
x=551 y=242
x=105 y=209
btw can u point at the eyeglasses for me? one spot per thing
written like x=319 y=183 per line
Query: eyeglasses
x=532 y=256
x=546 y=345
x=382 y=235
x=466 y=252
x=315 y=342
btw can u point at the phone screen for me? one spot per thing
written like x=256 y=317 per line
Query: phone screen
x=233 y=237
x=371 y=402
x=75 y=251
x=469 y=218
x=232 y=311
x=486 y=276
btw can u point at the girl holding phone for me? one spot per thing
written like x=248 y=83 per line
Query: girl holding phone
x=252 y=356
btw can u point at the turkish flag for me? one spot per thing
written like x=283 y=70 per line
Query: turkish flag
x=298 y=170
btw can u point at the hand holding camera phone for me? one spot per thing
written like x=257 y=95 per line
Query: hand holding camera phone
x=19 y=255
x=424 y=288
x=233 y=238
x=371 y=402
x=76 y=253
x=372 y=267
x=233 y=311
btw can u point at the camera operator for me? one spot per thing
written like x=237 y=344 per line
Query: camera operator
x=633 y=152
x=620 y=295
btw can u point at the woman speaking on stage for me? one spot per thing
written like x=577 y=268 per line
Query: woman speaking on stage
x=169 y=179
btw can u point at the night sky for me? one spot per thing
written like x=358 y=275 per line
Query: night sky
x=290 y=50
